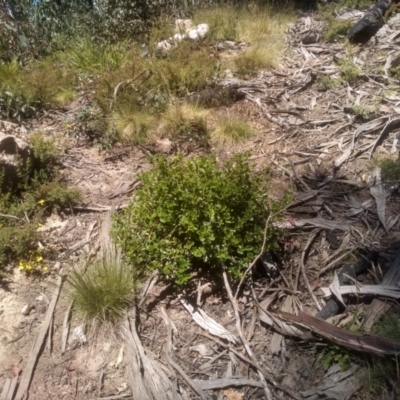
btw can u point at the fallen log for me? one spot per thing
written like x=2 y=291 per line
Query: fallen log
x=370 y=23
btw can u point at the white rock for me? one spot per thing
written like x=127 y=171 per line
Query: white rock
x=202 y=29
x=178 y=37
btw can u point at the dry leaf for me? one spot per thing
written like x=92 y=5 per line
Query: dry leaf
x=232 y=394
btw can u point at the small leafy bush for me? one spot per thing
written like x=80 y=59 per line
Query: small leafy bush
x=390 y=169
x=33 y=191
x=334 y=354
x=349 y=71
x=194 y=217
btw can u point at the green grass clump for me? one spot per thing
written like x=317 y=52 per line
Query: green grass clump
x=28 y=193
x=222 y=20
x=390 y=169
x=324 y=83
x=103 y=292
x=195 y=217
x=186 y=124
x=230 y=130
x=336 y=29
x=256 y=58
x=92 y=58
x=384 y=372
x=42 y=84
x=349 y=71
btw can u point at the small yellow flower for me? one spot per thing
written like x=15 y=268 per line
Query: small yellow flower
x=41 y=202
x=39 y=258
x=45 y=268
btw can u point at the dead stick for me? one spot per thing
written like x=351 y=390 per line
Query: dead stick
x=194 y=387
x=306 y=282
x=33 y=356
x=256 y=366
x=257 y=257
x=306 y=247
x=242 y=338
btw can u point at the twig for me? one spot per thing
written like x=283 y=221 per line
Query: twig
x=305 y=250
x=242 y=338
x=240 y=355
x=334 y=262
x=65 y=331
x=194 y=387
x=33 y=356
x=303 y=271
x=298 y=176
x=10 y=216
x=257 y=257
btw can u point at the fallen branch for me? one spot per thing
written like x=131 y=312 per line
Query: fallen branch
x=258 y=367
x=351 y=340
x=242 y=338
x=27 y=373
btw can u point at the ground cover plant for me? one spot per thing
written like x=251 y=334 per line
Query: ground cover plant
x=103 y=290
x=26 y=198
x=195 y=217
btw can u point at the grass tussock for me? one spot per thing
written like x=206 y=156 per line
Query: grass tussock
x=259 y=26
x=91 y=58
x=102 y=293
x=186 y=124
x=47 y=83
x=230 y=130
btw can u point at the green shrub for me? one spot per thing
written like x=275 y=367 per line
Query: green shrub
x=390 y=169
x=196 y=217
x=27 y=196
x=349 y=71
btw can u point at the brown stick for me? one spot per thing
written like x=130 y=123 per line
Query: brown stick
x=240 y=355
x=35 y=352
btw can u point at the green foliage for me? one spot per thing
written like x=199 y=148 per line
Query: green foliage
x=384 y=371
x=254 y=59
x=93 y=58
x=349 y=71
x=388 y=326
x=195 y=217
x=25 y=90
x=29 y=193
x=103 y=290
x=230 y=130
x=15 y=241
x=186 y=125
x=336 y=29
x=390 y=169
x=334 y=354
x=324 y=83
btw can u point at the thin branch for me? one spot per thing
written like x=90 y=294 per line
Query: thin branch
x=242 y=338
x=303 y=271
x=247 y=360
